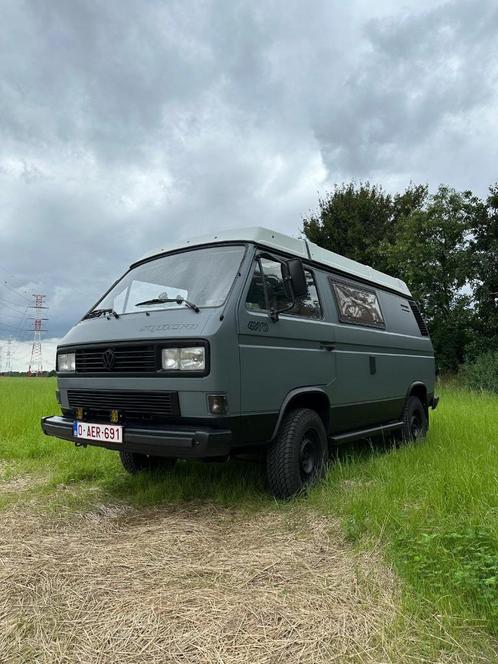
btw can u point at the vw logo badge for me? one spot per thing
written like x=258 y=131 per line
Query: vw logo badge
x=109 y=359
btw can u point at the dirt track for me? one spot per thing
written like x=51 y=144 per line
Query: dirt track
x=188 y=585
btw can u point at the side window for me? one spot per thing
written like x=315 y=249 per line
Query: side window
x=309 y=305
x=357 y=304
x=267 y=282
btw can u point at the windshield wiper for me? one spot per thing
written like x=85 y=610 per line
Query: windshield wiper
x=161 y=300
x=95 y=313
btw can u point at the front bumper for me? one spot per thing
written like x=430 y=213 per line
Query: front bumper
x=178 y=441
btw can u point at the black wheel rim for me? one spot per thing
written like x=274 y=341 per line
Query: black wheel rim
x=309 y=455
x=415 y=425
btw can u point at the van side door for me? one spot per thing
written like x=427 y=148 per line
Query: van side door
x=278 y=356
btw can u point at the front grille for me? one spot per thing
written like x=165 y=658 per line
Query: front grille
x=125 y=359
x=127 y=402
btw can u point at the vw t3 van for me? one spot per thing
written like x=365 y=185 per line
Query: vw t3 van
x=245 y=341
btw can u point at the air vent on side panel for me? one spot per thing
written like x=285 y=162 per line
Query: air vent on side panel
x=424 y=331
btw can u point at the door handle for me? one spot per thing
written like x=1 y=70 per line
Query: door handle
x=373 y=365
x=327 y=346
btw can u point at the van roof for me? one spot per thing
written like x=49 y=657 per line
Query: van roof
x=290 y=245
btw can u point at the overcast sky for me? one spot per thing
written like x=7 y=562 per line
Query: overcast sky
x=125 y=124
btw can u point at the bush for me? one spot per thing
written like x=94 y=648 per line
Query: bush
x=482 y=374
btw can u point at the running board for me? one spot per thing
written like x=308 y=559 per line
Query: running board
x=365 y=433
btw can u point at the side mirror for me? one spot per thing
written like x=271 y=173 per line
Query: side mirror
x=293 y=271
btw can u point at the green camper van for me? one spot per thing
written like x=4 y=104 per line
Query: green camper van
x=241 y=342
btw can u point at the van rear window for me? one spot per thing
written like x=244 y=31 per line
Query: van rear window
x=357 y=304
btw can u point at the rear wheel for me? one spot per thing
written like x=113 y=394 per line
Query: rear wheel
x=415 y=423
x=134 y=463
x=297 y=459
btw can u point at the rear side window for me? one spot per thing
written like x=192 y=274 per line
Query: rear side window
x=268 y=291
x=357 y=304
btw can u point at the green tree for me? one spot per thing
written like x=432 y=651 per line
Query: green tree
x=484 y=256
x=431 y=252
x=355 y=219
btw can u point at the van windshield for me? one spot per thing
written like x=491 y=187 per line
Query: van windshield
x=202 y=276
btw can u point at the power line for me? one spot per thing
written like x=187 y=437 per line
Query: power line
x=8 y=327
x=21 y=323
x=16 y=324
x=13 y=290
x=10 y=305
x=9 y=315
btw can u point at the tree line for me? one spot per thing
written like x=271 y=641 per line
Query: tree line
x=443 y=244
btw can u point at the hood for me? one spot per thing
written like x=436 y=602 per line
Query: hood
x=165 y=324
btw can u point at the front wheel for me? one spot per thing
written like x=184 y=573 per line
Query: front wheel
x=298 y=457
x=134 y=463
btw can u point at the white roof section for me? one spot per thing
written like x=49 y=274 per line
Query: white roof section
x=254 y=234
x=356 y=269
x=290 y=245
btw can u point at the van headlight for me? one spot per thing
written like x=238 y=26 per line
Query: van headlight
x=184 y=359
x=66 y=362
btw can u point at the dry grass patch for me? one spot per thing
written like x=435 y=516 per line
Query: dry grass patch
x=19 y=483
x=188 y=585
x=14 y=481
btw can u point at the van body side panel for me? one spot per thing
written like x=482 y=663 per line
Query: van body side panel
x=375 y=367
x=365 y=371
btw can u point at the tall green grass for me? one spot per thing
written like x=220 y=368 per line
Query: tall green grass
x=433 y=505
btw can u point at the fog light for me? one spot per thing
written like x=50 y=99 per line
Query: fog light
x=218 y=404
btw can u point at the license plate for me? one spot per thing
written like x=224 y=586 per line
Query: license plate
x=106 y=433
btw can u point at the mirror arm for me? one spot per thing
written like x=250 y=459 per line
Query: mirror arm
x=274 y=313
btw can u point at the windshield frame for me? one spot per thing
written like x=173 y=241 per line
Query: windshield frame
x=183 y=250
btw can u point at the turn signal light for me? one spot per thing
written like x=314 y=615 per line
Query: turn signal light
x=218 y=404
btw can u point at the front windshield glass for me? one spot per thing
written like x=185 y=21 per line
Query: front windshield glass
x=201 y=276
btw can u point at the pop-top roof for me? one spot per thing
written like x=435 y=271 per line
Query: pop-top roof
x=290 y=245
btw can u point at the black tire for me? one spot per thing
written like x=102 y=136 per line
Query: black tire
x=135 y=463
x=415 y=423
x=298 y=457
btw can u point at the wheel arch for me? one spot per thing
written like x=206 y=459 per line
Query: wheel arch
x=314 y=398
x=419 y=389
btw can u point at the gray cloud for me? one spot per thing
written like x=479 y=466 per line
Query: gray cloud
x=124 y=124
x=423 y=87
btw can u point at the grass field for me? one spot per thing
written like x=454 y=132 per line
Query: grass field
x=430 y=511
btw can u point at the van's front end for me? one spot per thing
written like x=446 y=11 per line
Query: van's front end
x=153 y=369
